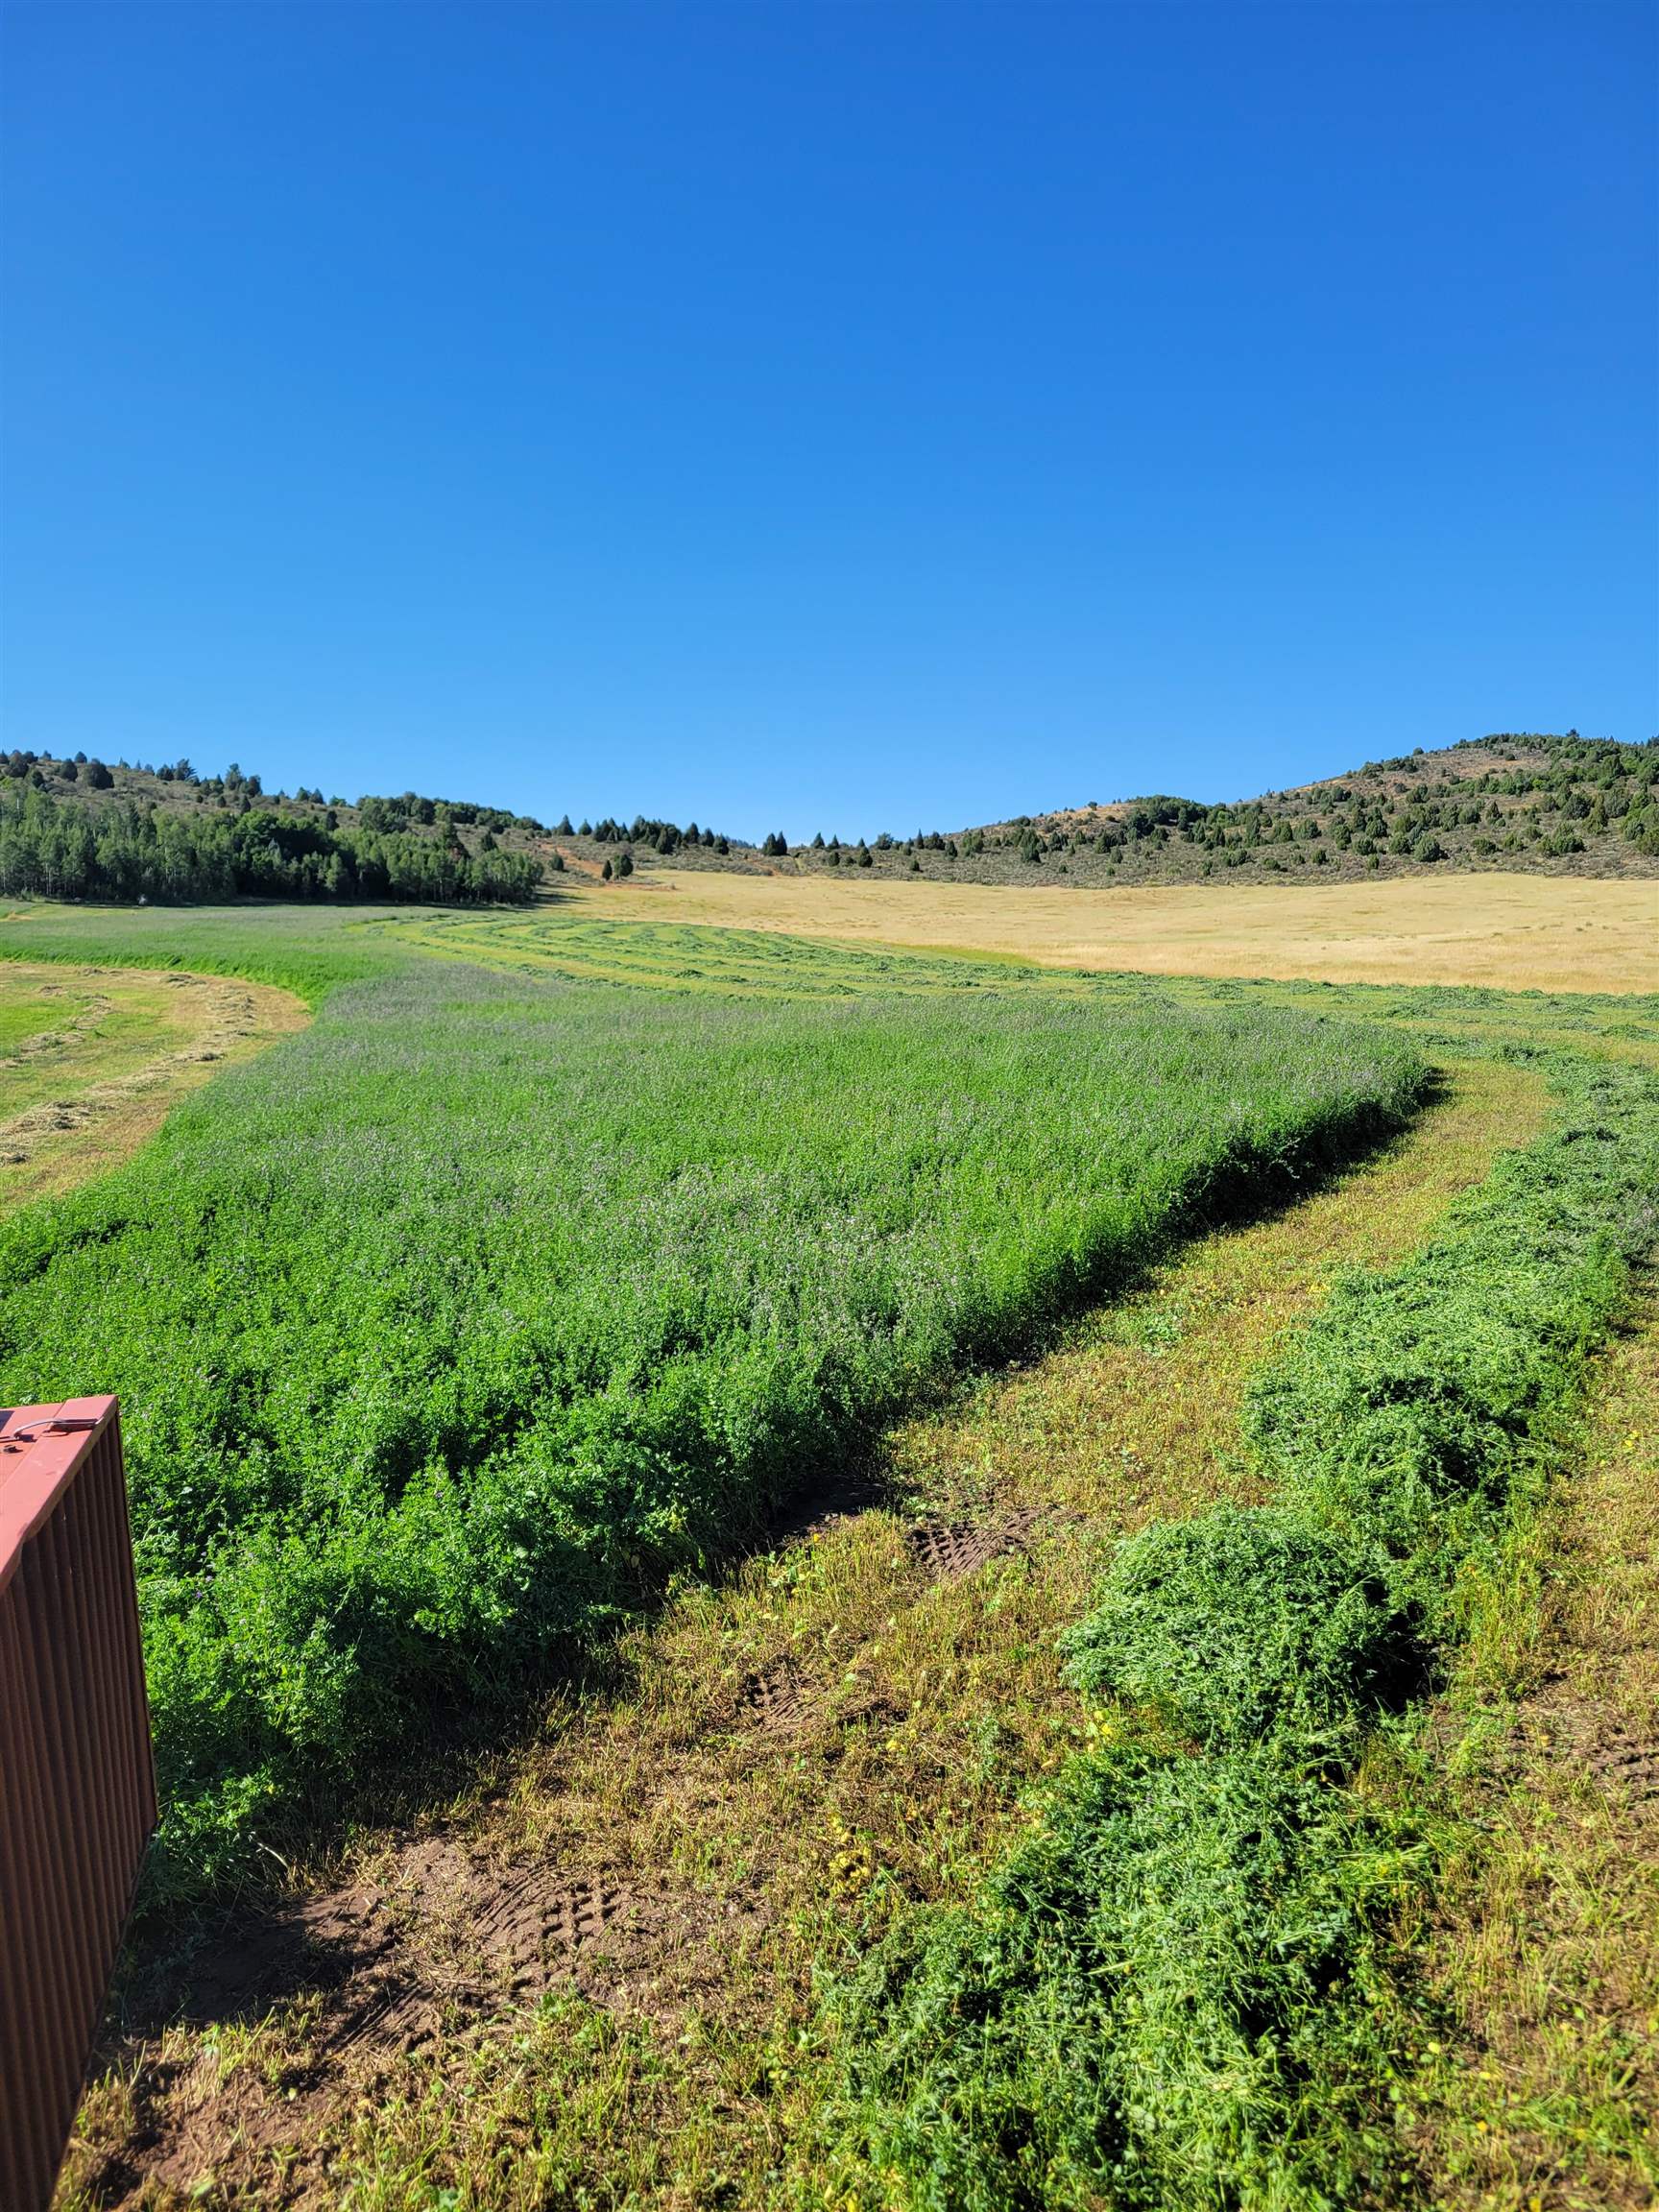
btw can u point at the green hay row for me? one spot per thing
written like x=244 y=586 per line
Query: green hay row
x=1172 y=1997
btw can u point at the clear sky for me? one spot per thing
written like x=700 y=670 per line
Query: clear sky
x=839 y=415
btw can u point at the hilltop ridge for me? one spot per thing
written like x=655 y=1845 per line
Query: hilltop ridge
x=1558 y=805
x=1555 y=804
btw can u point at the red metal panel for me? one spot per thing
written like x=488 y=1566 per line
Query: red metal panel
x=76 y=1785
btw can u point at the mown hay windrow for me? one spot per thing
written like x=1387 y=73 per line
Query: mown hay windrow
x=1171 y=1996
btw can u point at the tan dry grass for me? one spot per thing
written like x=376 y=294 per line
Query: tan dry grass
x=1512 y=932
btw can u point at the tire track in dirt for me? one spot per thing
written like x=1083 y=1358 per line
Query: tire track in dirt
x=947 y=1548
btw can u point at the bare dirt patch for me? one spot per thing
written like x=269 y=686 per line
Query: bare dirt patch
x=947 y=1548
x=239 y=2062
x=775 y=1700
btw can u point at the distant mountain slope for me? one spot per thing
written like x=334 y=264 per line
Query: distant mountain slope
x=1563 y=805
x=83 y=829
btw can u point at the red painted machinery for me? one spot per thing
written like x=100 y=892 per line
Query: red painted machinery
x=77 y=1783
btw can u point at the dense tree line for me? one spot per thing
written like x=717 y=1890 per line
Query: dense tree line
x=663 y=838
x=54 y=849
x=408 y=811
x=411 y=810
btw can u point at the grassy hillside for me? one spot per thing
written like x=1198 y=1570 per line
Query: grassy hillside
x=1546 y=804
x=1563 y=805
x=495 y=853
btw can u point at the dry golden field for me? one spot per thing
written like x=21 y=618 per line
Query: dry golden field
x=1516 y=932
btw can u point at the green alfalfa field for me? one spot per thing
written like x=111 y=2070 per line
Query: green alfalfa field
x=790 y=1574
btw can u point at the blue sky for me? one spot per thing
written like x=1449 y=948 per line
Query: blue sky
x=824 y=414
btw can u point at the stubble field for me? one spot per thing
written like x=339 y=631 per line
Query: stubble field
x=1511 y=932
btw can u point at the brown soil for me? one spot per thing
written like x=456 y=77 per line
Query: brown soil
x=449 y=1944
x=448 y=1940
x=947 y=1548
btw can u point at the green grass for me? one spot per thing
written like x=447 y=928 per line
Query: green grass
x=309 y=949
x=450 y=1331
x=700 y=959
x=561 y=1251
x=22 y=1020
x=306 y=950
x=1538 y=1952
x=1178 y=1994
x=103 y=1027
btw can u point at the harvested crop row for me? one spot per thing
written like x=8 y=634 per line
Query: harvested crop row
x=1172 y=1996
x=451 y=1330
